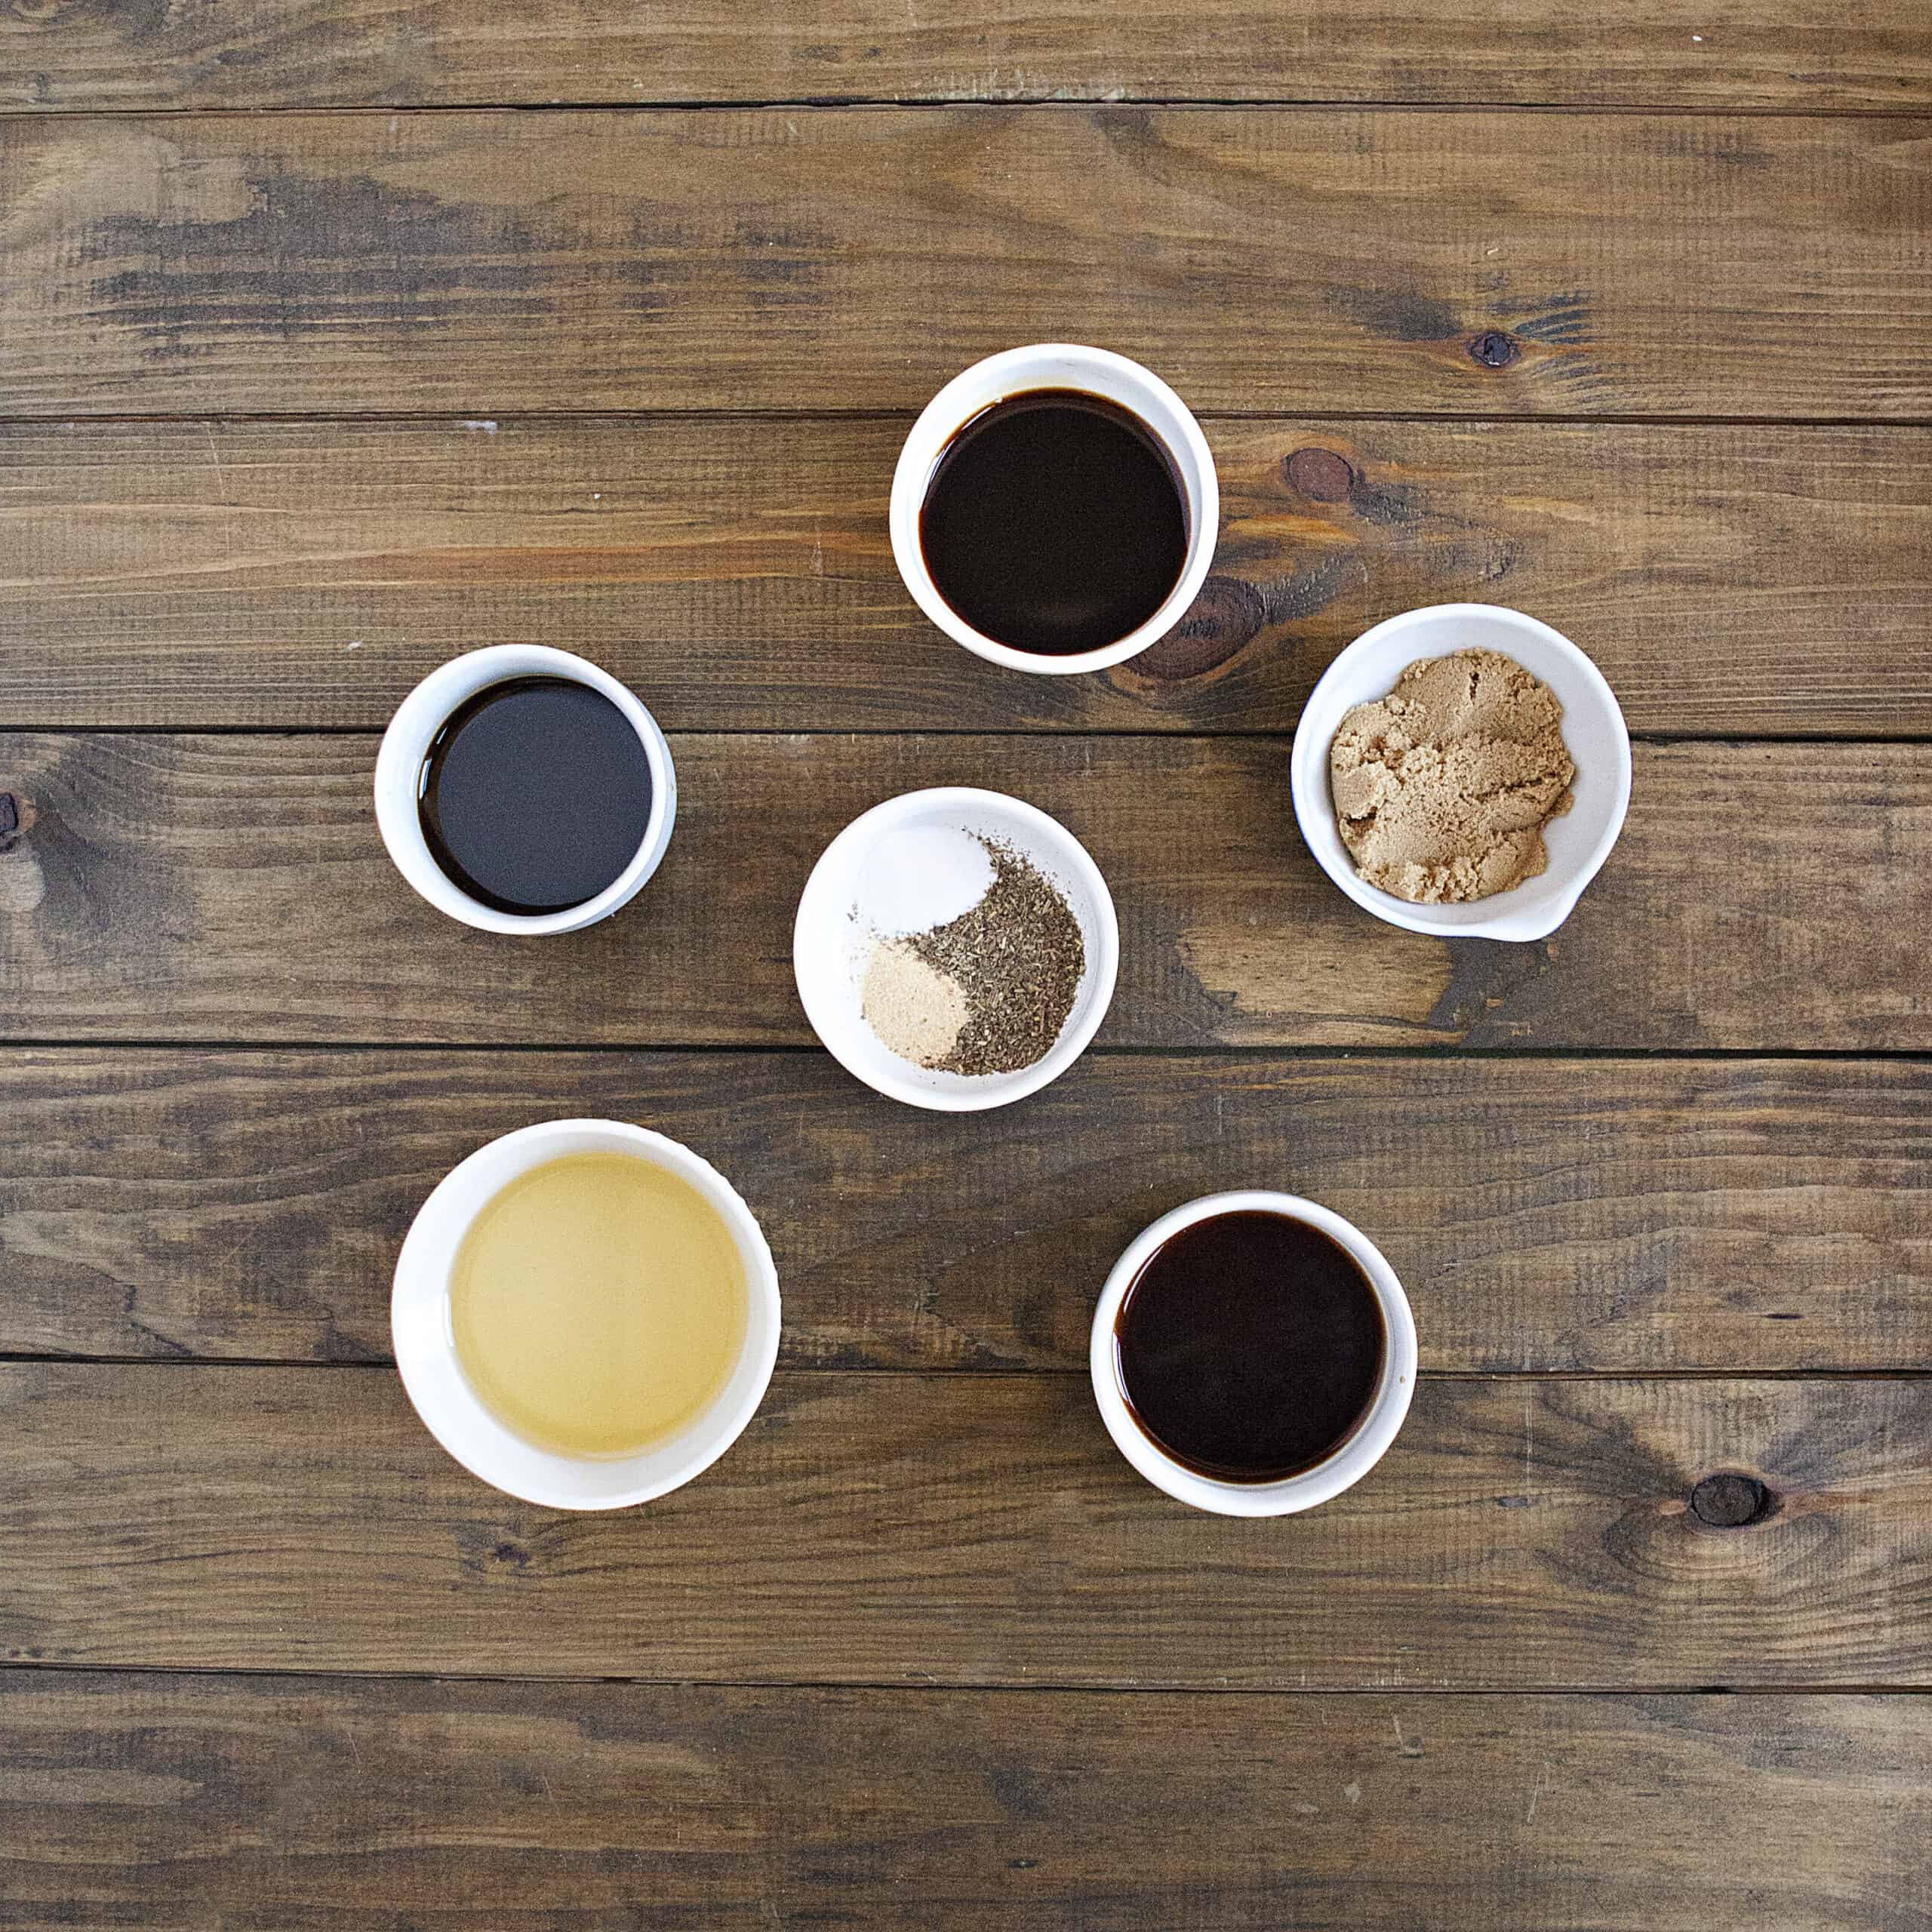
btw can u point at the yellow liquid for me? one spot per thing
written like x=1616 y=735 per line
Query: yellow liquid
x=599 y=1304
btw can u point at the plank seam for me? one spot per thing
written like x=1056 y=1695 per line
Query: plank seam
x=930 y=1687
x=1071 y=734
x=1069 y=1372
x=940 y=103
x=1486 y=418
x=1235 y=1054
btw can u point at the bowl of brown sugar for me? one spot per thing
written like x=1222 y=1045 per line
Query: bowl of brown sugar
x=1462 y=770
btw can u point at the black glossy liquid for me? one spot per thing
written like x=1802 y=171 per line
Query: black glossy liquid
x=1250 y=1347
x=535 y=795
x=1053 y=522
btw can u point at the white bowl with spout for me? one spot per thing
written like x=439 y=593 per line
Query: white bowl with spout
x=1593 y=729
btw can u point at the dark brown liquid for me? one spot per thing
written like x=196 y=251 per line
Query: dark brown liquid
x=1250 y=1347
x=1053 y=522
x=535 y=795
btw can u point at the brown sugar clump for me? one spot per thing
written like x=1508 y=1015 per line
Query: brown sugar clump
x=1442 y=789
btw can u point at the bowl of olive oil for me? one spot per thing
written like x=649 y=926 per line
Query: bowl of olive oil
x=585 y=1314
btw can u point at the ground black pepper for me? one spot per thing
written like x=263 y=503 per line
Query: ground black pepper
x=1018 y=956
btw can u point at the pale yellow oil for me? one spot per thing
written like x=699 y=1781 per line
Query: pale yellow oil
x=599 y=1304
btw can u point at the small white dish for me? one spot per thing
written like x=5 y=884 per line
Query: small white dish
x=832 y=937
x=1358 y=1453
x=1593 y=729
x=425 y=1340
x=1057 y=365
x=399 y=778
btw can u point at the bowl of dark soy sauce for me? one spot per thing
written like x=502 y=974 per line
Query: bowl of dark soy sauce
x=1055 y=508
x=1253 y=1354
x=523 y=789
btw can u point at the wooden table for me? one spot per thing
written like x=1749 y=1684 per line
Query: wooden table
x=324 y=354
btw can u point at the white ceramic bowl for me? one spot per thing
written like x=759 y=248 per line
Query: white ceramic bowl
x=398 y=783
x=1057 y=365
x=1358 y=1453
x=426 y=1344
x=830 y=948
x=1579 y=842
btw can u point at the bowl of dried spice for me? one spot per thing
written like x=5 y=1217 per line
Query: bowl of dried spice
x=956 y=948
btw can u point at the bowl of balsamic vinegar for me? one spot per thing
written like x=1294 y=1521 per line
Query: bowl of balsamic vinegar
x=1055 y=508
x=1253 y=1354
x=521 y=789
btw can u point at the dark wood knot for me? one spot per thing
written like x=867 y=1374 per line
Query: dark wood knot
x=1228 y=615
x=1730 y=1501
x=1495 y=349
x=10 y=814
x=1321 y=474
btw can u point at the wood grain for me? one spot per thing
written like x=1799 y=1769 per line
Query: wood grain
x=308 y=54
x=1543 y=1215
x=194 y=1802
x=1733 y=582
x=972 y=1529
x=234 y=888
x=793 y=260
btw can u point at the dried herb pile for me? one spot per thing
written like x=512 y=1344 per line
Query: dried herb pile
x=1018 y=958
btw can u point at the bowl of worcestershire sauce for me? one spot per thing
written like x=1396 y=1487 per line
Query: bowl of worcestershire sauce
x=1253 y=1354
x=521 y=789
x=1055 y=508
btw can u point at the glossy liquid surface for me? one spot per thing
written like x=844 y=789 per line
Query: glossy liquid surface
x=598 y=1305
x=1250 y=1347
x=535 y=795
x=1053 y=522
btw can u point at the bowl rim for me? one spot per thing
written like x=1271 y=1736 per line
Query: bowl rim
x=815 y=913
x=423 y=1342
x=1351 y=1459
x=1309 y=785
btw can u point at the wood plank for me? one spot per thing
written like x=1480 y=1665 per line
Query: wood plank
x=793 y=260
x=307 y=53
x=973 y=1529
x=1733 y=582
x=1568 y=1215
x=234 y=888
x=195 y=1801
